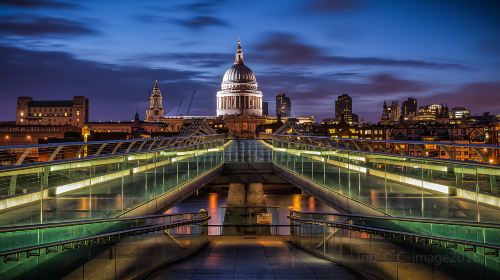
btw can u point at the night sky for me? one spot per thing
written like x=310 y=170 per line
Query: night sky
x=438 y=51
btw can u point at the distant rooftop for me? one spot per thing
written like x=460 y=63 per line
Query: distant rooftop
x=52 y=103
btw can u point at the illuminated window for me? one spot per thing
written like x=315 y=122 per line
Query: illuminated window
x=22 y=113
x=77 y=112
x=65 y=114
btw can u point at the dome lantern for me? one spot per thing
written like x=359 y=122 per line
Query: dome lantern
x=239 y=54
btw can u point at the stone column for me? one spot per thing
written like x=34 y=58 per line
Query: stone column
x=255 y=195
x=236 y=196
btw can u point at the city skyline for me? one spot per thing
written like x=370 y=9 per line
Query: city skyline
x=444 y=52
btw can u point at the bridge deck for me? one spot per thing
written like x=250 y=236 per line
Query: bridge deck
x=253 y=258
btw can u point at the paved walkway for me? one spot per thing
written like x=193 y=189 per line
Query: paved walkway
x=252 y=258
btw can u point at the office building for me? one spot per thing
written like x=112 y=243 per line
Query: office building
x=343 y=109
x=265 y=108
x=283 y=106
x=459 y=113
x=409 y=109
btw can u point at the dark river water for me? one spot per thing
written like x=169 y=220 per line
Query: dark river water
x=277 y=204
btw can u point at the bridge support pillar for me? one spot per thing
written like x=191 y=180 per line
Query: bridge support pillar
x=236 y=196
x=255 y=195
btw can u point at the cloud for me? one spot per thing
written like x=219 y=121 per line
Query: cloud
x=200 y=22
x=40 y=26
x=29 y=4
x=287 y=49
x=200 y=60
x=315 y=94
x=200 y=7
x=59 y=75
x=479 y=97
x=333 y=6
x=198 y=15
x=385 y=84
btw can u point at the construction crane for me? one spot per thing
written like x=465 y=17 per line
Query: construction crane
x=190 y=103
x=179 y=108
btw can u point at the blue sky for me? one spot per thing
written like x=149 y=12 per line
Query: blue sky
x=445 y=51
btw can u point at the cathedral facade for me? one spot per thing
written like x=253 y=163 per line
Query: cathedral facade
x=239 y=103
x=239 y=94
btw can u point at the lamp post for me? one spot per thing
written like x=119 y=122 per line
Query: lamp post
x=85 y=134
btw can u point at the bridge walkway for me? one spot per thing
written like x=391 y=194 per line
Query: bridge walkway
x=252 y=257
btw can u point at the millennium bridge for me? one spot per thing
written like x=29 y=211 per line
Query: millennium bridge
x=98 y=210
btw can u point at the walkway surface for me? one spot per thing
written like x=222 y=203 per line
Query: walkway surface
x=252 y=258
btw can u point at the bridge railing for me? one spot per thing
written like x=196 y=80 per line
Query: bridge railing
x=397 y=184
x=105 y=183
x=23 y=155
x=248 y=229
x=455 y=151
x=395 y=248
x=119 y=248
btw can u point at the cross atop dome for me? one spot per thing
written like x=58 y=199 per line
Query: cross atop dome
x=239 y=54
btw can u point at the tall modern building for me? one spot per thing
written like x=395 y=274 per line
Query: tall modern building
x=283 y=105
x=409 y=109
x=52 y=112
x=265 y=108
x=239 y=94
x=343 y=108
x=155 y=111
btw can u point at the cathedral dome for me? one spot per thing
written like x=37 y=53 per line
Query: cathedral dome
x=239 y=73
x=239 y=94
x=239 y=77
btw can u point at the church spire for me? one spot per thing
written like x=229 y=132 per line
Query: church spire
x=239 y=54
x=156 y=88
x=136 y=116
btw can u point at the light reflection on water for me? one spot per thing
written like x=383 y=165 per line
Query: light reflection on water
x=278 y=205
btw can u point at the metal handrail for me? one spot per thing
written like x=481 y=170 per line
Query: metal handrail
x=247 y=225
x=403 y=234
x=462 y=162
x=64 y=144
x=488 y=146
x=84 y=222
x=91 y=157
x=153 y=144
x=407 y=219
x=98 y=237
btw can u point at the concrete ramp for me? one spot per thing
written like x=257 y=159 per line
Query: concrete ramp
x=253 y=258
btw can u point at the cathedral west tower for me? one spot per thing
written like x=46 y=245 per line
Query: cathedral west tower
x=155 y=111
